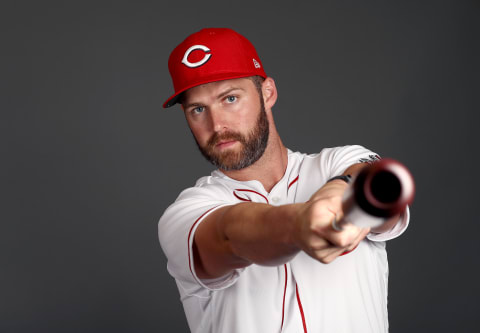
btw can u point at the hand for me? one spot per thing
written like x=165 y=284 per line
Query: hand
x=314 y=232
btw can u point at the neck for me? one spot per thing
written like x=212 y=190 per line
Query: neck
x=270 y=168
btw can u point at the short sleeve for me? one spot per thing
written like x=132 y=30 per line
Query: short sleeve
x=396 y=231
x=336 y=160
x=176 y=230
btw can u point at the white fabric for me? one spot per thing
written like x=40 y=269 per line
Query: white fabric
x=347 y=295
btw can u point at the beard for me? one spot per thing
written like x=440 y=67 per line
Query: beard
x=253 y=145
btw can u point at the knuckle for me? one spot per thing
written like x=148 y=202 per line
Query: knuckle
x=325 y=260
x=316 y=244
x=343 y=239
x=344 y=242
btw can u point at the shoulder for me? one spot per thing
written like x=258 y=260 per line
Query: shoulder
x=330 y=162
x=208 y=192
x=337 y=159
x=216 y=186
x=356 y=152
x=338 y=152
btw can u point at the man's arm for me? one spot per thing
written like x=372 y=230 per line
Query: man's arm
x=236 y=236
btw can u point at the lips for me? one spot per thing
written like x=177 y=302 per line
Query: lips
x=225 y=144
x=224 y=140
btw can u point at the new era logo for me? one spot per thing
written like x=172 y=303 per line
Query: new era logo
x=255 y=63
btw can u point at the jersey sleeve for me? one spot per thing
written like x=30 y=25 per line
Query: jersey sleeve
x=336 y=160
x=396 y=231
x=176 y=230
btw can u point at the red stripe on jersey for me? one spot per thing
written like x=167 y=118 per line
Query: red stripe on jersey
x=347 y=252
x=293 y=182
x=190 y=234
x=240 y=198
x=284 y=294
x=301 y=309
x=245 y=190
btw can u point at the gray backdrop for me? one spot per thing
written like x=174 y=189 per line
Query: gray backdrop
x=89 y=159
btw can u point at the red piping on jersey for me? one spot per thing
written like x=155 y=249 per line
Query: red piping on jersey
x=284 y=294
x=347 y=252
x=293 y=182
x=301 y=309
x=245 y=190
x=240 y=198
x=190 y=234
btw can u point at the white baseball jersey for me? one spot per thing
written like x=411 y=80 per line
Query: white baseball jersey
x=304 y=295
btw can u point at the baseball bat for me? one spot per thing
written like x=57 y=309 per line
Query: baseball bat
x=381 y=190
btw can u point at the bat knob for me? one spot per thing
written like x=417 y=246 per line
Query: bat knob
x=384 y=188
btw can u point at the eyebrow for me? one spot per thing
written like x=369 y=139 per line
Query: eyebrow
x=219 y=96
x=228 y=91
x=186 y=106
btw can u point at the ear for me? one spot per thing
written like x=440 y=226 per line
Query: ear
x=269 y=92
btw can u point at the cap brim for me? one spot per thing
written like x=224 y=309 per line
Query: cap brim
x=172 y=101
x=175 y=97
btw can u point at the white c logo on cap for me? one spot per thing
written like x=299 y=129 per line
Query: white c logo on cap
x=198 y=63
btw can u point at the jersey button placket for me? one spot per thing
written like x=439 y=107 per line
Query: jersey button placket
x=276 y=200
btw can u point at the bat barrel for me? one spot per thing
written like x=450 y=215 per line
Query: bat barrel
x=384 y=188
x=381 y=190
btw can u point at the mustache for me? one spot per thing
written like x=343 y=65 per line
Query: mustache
x=217 y=137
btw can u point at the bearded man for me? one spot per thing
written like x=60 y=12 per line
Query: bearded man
x=253 y=247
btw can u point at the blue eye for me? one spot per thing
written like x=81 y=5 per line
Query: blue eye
x=231 y=99
x=198 y=109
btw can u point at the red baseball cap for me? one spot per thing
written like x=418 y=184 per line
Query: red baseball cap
x=211 y=54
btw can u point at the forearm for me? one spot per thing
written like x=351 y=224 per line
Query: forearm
x=237 y=236
x=260 y=233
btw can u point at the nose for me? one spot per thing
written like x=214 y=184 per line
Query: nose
x=218 y=120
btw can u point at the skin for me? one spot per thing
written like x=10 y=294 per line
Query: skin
x=220 y=115
x=239 y=235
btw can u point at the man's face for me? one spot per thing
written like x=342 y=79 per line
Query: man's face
x=228 y=121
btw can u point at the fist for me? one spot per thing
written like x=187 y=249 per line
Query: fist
x=315 y=234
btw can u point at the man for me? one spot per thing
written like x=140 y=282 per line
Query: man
x=252 y=246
